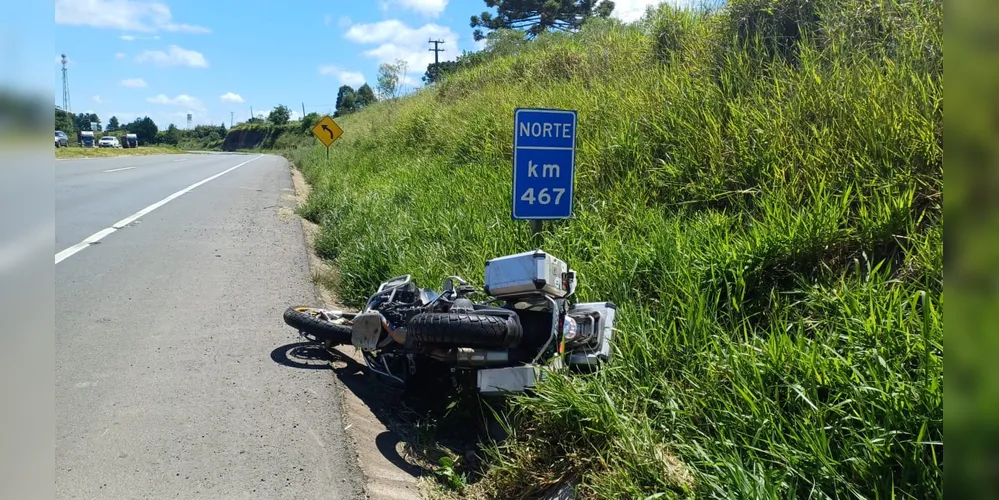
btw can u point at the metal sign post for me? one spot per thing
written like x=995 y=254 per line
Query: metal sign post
x=544 y=161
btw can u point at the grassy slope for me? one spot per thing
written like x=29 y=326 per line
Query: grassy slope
x=771 y=229
x=77 y=152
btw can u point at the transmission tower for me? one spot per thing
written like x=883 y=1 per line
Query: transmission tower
x=65 y=86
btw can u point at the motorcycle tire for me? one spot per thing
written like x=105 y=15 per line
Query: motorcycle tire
x=466 y=329
x=304 y=319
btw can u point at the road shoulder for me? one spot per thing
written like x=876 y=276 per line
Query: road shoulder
x=380 y=454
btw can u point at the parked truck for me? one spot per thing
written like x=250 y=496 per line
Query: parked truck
x=130 y=141
x=86 y=139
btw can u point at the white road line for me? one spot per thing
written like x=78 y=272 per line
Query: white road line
x=118 y=169
x=65 y=254
x=182 y=159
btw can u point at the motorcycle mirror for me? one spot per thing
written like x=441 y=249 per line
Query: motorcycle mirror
x=449 y=283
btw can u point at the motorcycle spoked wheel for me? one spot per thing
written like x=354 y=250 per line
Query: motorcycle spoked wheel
x=306 y=320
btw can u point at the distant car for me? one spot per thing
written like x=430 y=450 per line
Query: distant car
x=109 y=141
x=61 y=139
x=131 y=141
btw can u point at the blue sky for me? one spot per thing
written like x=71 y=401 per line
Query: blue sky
x=167 y=58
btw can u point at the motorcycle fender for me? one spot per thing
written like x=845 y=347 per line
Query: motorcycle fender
x=366 y=329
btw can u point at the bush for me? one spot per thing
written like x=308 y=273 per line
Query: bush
x=308 y=121
x=675 y=31
x=770 y=28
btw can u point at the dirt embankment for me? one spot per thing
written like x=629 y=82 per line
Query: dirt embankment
x=243 y=139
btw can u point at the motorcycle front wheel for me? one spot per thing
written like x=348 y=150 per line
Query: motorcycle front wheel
x=307 y=320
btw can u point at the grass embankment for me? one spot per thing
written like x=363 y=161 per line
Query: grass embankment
x=759 y=190
x=78 y=152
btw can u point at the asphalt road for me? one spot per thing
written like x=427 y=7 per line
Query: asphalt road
x=168 y=328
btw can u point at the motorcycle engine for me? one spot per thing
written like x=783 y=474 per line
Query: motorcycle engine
x=400 y=315
x=462 y=305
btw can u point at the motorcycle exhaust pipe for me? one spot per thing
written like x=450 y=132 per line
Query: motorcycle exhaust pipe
x=472 y=358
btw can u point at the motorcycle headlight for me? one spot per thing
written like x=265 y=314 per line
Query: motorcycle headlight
x=570 y=330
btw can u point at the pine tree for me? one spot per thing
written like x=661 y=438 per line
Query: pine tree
x=537 y=16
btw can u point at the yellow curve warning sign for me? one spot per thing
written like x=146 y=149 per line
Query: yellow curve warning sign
x=327 y=131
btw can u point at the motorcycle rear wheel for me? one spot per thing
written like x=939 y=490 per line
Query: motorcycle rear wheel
x=307 y=320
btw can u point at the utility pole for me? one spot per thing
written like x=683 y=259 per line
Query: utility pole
x=303 y=110
x=230 y=118
x=251 y=112
x=437 y=64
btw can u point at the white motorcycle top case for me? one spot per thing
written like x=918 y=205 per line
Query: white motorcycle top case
x=533 y=271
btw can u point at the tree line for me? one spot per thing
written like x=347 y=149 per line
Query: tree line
x=144 y=128
x=349 y=101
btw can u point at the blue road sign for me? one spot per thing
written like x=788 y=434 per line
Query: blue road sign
x=544 y=160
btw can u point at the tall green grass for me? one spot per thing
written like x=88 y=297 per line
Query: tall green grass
x=758 y=188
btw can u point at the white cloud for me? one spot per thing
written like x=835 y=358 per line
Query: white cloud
x=426 y=7
x=375 y=32
x=399 y=41
x=352 y=78
x=176 y=56
x=135 y=83
x=182 y=100
x=119 y=55
x=126 y=15
x=409 y=83
x=231 y=97
x=96 y=99
x=129 y=38
x=632 y=10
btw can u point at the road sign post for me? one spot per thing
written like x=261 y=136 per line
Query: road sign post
x=327 y=131
x=544 y=161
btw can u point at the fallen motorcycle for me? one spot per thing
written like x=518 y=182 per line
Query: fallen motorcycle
x=526 y=320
